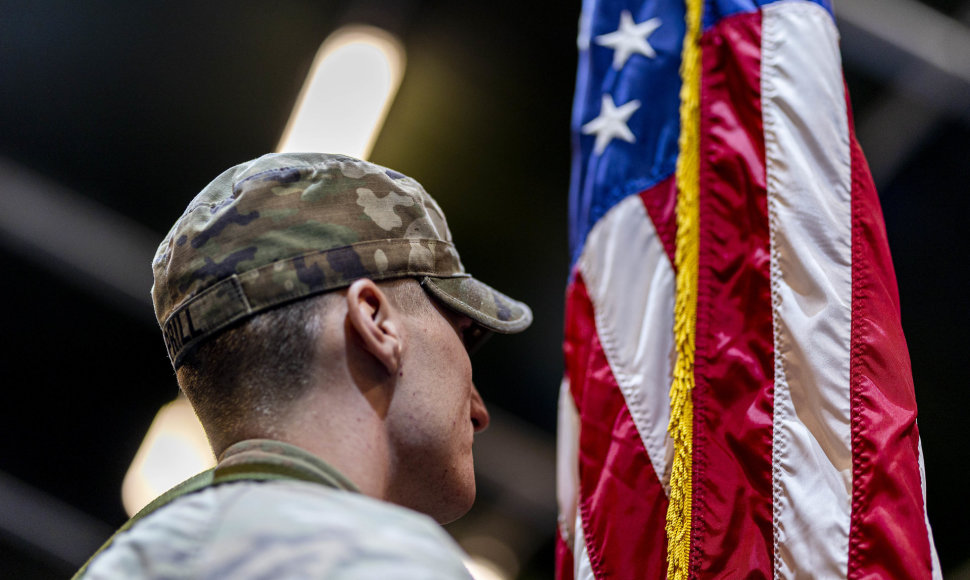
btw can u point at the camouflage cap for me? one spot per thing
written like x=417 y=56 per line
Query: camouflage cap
x=287 y=226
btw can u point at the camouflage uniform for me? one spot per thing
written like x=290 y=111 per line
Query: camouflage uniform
x=315 y=528
x=265 y=233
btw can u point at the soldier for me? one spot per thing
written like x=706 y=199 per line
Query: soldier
x=319 y=320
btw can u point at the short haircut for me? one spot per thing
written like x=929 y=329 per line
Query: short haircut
x=243 y=381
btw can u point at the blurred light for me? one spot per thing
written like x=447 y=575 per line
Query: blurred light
x=347 y=94
x=175 y=448
x=482 y=568
x=489 y=558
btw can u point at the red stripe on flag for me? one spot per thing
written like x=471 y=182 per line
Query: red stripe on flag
x=622 y=503
x=565 y=563
x=734 y=365
x=660 y=201
x=888 y=536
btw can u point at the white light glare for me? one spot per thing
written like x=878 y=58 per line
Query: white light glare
x=174 y=449
x=488 y=558
x=482 y=568
x=347 y=94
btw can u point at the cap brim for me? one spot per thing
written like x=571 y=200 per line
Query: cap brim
x=480 y=302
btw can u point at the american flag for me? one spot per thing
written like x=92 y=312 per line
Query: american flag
x=725 y=231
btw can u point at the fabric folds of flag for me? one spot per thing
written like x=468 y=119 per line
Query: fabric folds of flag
x=738 y=398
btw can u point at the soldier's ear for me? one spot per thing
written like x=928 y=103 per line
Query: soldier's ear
x=376 y=322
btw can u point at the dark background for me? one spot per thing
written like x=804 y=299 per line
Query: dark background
x=126 y=109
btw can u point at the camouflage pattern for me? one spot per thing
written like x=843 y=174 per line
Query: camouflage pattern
x=315 y=528
x=287 y=226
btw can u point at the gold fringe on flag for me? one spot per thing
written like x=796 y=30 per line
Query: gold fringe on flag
x=681 y=427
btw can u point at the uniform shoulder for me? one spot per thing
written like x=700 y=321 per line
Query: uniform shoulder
x=283 y=530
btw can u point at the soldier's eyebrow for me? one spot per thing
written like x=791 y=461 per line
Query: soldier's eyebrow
x=469 y=332
x=474 y=336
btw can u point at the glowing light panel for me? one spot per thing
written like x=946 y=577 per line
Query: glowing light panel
x=347 y=94
x=174 y=449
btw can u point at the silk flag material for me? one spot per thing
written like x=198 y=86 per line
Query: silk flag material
x=738 y=398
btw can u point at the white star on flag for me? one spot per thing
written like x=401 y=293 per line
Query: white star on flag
x=629 y=38
x=611 y=123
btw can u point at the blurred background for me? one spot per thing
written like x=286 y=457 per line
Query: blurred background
x=113 y=115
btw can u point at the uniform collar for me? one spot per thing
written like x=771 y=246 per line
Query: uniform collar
x=289 y=461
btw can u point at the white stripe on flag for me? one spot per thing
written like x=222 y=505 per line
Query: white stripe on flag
x=809 y=186
x=583 y=568
x=567 y=465
x=631 y=285
x=934 y=557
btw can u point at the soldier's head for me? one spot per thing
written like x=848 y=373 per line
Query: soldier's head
x=294 y=270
